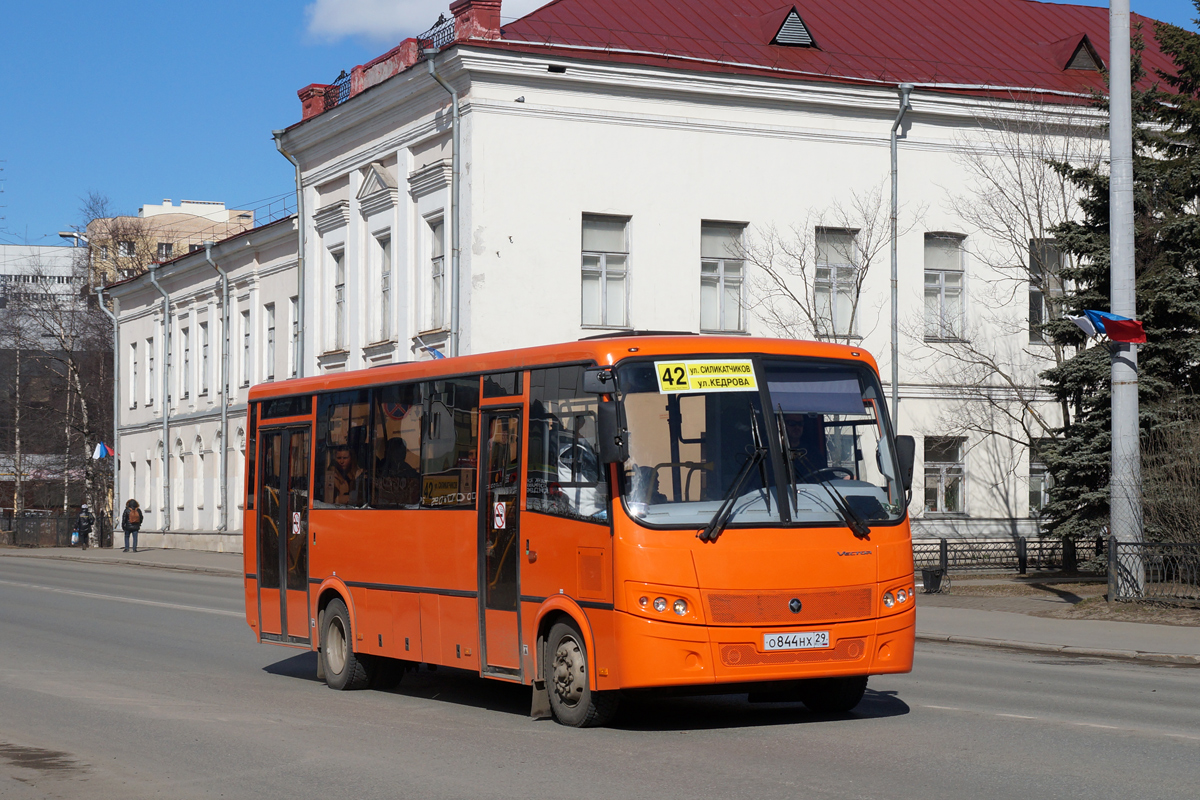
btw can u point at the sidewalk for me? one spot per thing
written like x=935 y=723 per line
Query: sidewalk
x=983 y=621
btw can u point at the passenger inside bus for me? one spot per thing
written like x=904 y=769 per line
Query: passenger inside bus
x=344 y=480
x=397 y=483
x=805 y=434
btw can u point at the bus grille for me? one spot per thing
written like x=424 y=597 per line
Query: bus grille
x=746 y=655
x=759 y=608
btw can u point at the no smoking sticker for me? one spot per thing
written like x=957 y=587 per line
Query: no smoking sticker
x=498 y=514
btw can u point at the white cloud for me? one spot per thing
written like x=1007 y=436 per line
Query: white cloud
x=390 y=20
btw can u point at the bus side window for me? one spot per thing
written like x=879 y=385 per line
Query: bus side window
x=565 y=476
x=343 y=450
x=448 y=442
x=396 y=479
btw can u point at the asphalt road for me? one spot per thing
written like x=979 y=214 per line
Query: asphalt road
x=134 y=683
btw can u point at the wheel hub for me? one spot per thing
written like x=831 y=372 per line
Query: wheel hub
x=570 y=672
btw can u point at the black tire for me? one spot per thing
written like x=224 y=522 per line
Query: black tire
x=833 y=695
x=566 y=674
x=385 y=673
x=344 y=670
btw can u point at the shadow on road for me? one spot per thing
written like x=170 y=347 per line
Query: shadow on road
x=303 y=666
x=639 y=712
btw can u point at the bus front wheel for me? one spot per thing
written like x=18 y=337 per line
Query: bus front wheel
x=833 y=695
x=571 y=697
x=343 y=668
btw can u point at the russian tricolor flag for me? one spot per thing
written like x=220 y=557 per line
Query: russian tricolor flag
x=1117 y=328
x=102 y=451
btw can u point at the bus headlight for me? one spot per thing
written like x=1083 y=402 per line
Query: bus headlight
x=901 y=596
x=681 y=607
x=660 y=604
x=888 y=600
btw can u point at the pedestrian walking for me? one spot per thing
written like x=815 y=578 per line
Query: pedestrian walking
x=83 y=524
x=131 y=522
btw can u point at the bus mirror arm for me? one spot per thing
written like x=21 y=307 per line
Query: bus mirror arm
x=614 y=440
x=906 y=450
x=600 y=381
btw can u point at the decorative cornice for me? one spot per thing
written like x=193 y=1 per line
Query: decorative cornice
x=429 y=179
x=331 y=217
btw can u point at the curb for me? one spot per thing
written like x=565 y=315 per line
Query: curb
x=1064 y=649
x=128 y=562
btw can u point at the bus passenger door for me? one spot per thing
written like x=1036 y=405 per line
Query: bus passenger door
x=283 y=482
x=499 y=540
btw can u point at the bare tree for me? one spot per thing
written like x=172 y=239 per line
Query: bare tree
x=1014 y=200
x=808 y=282
x=119 y=246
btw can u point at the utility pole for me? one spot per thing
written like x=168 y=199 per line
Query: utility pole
x=1125 y=483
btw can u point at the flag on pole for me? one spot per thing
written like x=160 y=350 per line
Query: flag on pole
x=1118 y=328
x=102 y=451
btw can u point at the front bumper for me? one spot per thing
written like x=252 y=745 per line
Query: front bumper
x=656 y=653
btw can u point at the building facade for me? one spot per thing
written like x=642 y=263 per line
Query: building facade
x=187 y=471
x=730 y=177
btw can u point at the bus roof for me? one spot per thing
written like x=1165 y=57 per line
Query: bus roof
x=604 y=351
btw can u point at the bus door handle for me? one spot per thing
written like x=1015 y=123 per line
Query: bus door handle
x=530 y=554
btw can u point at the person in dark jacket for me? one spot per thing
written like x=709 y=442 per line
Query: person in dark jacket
x=131 y=522
x=83 y=524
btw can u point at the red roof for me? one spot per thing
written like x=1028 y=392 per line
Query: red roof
x=959 y=45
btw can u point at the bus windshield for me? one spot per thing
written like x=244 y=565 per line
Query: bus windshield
x=694 y=424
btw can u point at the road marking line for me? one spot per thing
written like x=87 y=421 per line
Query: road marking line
x=119 y=599
x=1077 y=724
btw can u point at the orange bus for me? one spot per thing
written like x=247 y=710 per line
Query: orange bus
x=628 y=512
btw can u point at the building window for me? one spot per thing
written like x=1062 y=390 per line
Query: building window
x=164 y=250
x=1040 y=480
x=1045 y=264
x=835 y=290
x=385 y=286
x=204 y=358
x=104 y=252
x=192 y=248
x=150 y=371
x=605 y=271
x=133 y=375
x=943 y=286
x=294 y=314
x=185 y=335
x=246 y=348
x=944 y=472
x=721 y=272
x=339 y=299
x=437 y=275
x=269 y=342
x=125 y=248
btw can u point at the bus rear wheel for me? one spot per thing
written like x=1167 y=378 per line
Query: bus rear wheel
x=833 y=695
x=571 y=697
x=344 y=670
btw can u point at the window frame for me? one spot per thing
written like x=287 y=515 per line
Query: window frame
x=721 y=280
x=602 y=274
x=945 y=332
x=943 y=469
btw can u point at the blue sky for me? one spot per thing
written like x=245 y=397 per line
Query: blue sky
x=143 y=100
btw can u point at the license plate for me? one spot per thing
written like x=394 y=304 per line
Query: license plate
x=808 y=640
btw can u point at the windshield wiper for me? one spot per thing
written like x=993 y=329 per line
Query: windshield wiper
x=849 y=516
x=717 y=526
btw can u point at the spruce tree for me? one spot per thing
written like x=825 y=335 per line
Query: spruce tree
x=1166 y=164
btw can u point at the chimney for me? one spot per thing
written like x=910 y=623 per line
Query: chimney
x=478 y=19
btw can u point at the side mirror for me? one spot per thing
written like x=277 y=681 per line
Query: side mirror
x=599 y=381
x=906 y=453
x=614 y=447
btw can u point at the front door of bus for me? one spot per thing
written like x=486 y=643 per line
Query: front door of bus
x=500 y=540
x=283 y=533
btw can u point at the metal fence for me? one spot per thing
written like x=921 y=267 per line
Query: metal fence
x=49 y=531
x=1152 y=571
x=1018 y=554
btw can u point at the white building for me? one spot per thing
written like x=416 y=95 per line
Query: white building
x=646 y=165
x=182 y=493
x=637 y=165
